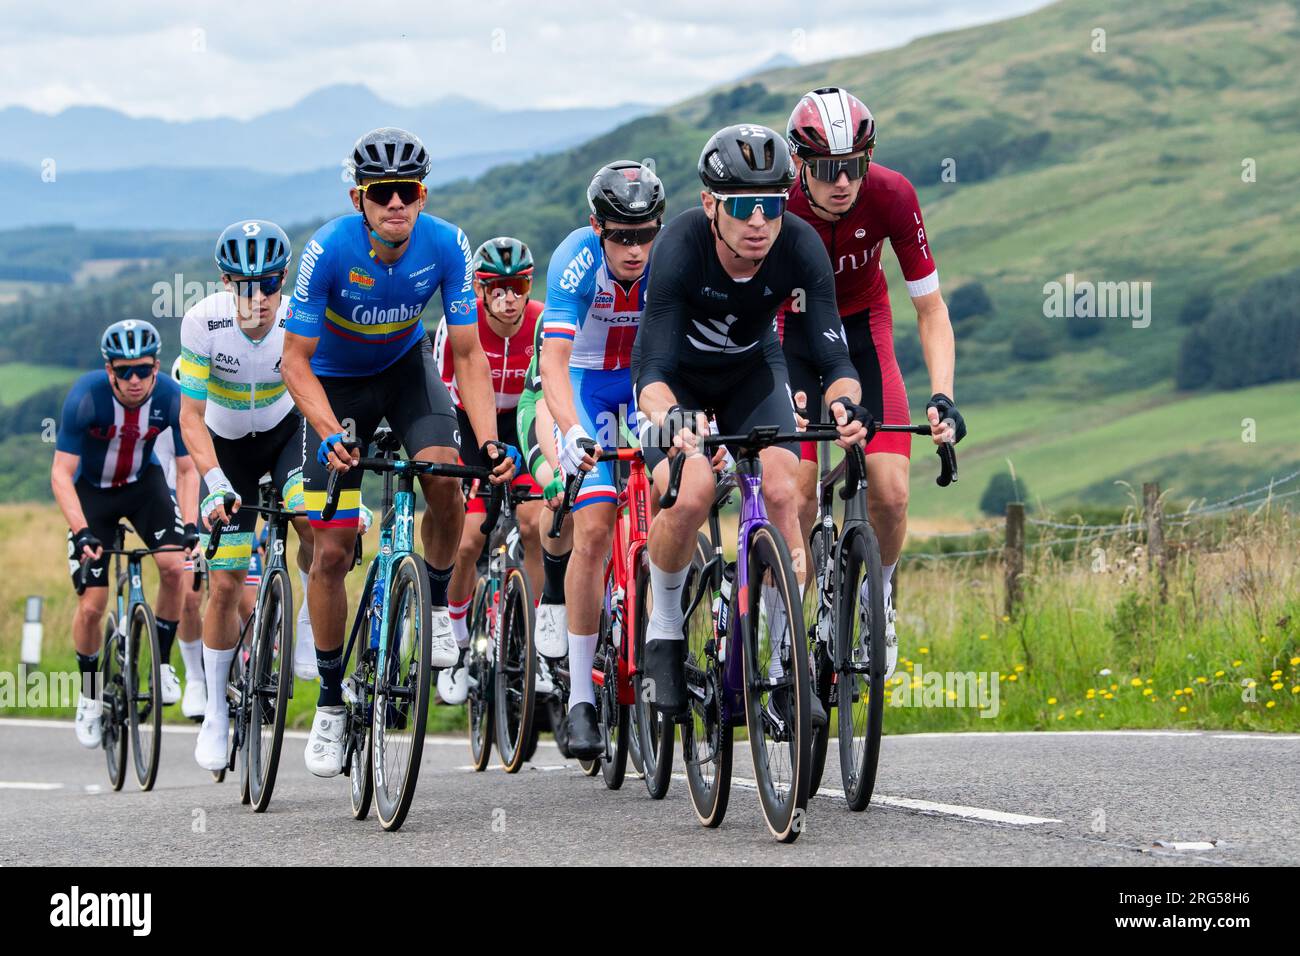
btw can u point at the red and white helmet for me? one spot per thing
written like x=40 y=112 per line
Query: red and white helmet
x=830 y=122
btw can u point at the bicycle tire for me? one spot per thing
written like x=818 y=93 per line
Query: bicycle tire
x=361 y=778
x=402 y=705
x=782 y=795
x=706 y=738
x=820 y=661
x=479 y=712
x=515 y=671
x=113 y=708
x=612 y=715
x=860 y=721
x=144 y=710
x=271 y=673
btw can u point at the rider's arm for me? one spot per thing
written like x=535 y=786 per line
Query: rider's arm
x=937 y=343
x=306 y=389
x=567 y=301
x=65 y=491
x=556 y=385
x=73 y=421
x=473 y=376
x=196 y=362
x=663 y=325
x=820 y=322
x=187 y=487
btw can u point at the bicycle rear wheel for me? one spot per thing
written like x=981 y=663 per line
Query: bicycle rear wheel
x=482 y=682
x=860 y=663
x=613 y=716
x=268 y=687
x=516 y=658
x=402 y=692
x=777 y=686
x=144 y=694
x=706 y=737
x=358 y=758
x=112 y=692
x=820 y=547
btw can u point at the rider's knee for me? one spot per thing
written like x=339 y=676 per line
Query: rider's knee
x=440 y=492
x=92 y=603
x=225 y=587
x=888 y=502
x=332 y=555
x=170 y=574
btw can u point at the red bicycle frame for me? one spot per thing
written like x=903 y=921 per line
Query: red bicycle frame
x=631 y=531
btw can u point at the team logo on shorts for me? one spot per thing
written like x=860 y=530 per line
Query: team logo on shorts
x=359 y=276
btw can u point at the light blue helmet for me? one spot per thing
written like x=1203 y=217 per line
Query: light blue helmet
x=253 y=247
x=129 y=339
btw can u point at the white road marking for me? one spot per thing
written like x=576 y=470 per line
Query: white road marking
x=28 y=785
x=1186 y=844
x=1255 y=736
x=527 y=766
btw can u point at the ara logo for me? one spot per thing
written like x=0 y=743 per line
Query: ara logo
x=227 y=359
x=359 y=276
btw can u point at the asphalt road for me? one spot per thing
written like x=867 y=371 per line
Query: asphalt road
x=1067 y=799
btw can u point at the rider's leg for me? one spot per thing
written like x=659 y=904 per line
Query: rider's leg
x=167 y=609
x=672 y=543
x=887 y=496
x=781 y=497
x=332 y=552
x=584 y=592
x=807 y=494
x=440 y=528
x=529 y=515
x=220 y=637
x=461 y=590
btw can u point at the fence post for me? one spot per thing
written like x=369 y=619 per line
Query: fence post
x=1155 y=522
x=1013 y=554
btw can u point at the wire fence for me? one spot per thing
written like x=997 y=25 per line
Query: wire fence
x=1093 y=532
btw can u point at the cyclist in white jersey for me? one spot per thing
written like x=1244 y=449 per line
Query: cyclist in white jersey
x=242 y=422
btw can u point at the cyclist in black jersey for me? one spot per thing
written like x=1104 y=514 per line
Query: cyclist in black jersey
x=708 y=342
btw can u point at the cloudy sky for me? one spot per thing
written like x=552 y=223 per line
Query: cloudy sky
x=241 y=58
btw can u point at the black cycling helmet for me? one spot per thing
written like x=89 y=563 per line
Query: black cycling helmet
x=627 y=192
x=746 y=157
x=388 y=153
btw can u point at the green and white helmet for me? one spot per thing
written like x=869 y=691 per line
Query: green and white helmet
x=502 y=256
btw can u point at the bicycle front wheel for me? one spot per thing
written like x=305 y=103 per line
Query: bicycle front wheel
x=270 y=680
x=482 y=683
x=613 y=716
x=820 y=547
x=860 y=663
x=144 y=694
x=113 y=694
x=777 y=688
x=516 y=657
x=402 y=691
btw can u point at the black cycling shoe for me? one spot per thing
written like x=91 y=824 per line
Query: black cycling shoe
x=665 y=670
x=583 y=736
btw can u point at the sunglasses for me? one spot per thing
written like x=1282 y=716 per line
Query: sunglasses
x=743 y=205
x=497 y=287
x=269 y=285
x=633 y=237
x=128 y=372
x=828 y=169
x=381 y=191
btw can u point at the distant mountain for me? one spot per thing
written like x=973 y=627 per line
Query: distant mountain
x=315 y=132
x=201 y=198
x=777 y=61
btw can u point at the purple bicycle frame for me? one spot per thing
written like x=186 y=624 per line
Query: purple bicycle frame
x=753 y=515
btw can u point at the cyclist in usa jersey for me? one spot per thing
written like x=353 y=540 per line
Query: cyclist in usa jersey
x=856 y=205
x=105 y=471
x=595 y=293
x=355 y=353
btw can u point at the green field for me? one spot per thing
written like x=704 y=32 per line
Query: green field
x=1070 y=453
x=18 y=379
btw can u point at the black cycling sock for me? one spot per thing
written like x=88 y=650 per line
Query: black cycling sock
x=553 y=586
x=166 y=638
x=330 y=665
x=88 y=664
x=439 y=578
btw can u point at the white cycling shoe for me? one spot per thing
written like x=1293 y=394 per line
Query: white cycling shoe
x=210 y=751
x=891 y=636
x=453 y=682
x=324 y=754
x=169 y=684
x=195 y=701
x=551 y=634
x=542 y=683
x=304 y=648
x=90 y=722
x=444 y=651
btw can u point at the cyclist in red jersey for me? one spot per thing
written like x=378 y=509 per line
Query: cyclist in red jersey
x=855 y=205
x=507 y=322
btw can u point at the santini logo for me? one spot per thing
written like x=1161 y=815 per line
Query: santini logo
x=103 y=909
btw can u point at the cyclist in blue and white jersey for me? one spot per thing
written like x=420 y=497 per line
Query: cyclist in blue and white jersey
x=356 y=353
x=595 y=293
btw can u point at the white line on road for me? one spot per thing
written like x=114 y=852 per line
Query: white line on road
x=28 y=785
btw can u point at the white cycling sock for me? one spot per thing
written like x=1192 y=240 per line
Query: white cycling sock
x=582 y=651
x=216 y=669
x=192 y=655
x=666 y=615
x=887 y=573
x=459 y=613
